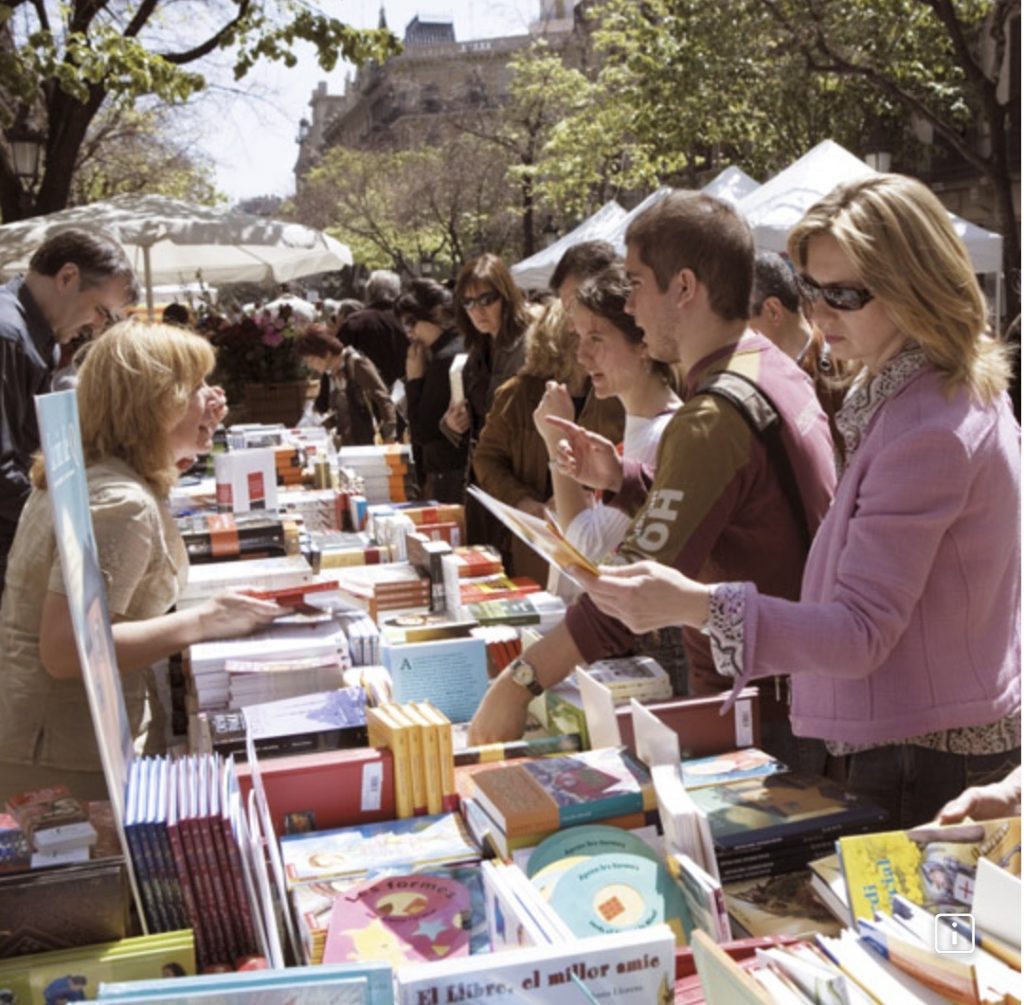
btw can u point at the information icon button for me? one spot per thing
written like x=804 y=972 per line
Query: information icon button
x=954 y=933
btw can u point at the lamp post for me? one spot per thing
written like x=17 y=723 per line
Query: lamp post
x=27 y=146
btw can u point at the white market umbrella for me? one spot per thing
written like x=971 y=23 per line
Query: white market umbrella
x=731 y=185
x=170 y=241
x=534 y=272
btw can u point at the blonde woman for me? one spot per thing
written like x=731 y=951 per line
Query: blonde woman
x=145 y=410
x=904 y=649
x=511 y=460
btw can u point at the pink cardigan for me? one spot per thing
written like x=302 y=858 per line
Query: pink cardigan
x=909 y=613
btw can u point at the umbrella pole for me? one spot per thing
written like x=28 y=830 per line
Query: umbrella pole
x=148 y=273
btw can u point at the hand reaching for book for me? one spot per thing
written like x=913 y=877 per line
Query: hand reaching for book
x=587 y=457
x=985 y=802
x=230 y=615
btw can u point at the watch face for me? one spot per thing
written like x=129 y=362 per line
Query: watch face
x=525 y=676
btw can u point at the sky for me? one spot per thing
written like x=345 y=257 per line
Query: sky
x=250 y=135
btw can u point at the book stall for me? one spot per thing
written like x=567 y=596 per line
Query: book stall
x=322 y=831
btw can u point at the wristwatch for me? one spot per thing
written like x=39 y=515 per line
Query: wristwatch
x=525 y=676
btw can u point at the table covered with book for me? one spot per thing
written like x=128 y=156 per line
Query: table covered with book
x=321 y=826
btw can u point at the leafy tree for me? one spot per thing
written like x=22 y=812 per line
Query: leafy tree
x=61 y=63
x=398 y=209
x=542 y=93
x=133 y=151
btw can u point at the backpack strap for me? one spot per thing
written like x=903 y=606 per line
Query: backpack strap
x=764 y=420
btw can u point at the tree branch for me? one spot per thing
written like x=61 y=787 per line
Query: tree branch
x=140 y=18
x=205 y=48
x=44 y=17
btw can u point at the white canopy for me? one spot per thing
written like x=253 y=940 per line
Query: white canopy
x=533 y=273
x=618 y=235
x=169 y=241
x=731 y=185
x=774 y=209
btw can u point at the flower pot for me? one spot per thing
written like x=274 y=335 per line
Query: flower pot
x=279 y=402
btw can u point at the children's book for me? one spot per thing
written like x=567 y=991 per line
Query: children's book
x=553 y=792
x=731 y=766
x=932 y=866
x=417 y=842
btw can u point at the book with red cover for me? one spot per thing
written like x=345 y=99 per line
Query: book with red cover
x=339 y=788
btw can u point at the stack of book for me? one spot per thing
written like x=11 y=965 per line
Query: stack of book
x=396 y=586
x=419 y=737
x=629 y=677
x=503 y=645
x=335 y=548
x=540 y=608
x=204 y=581
x=246 y=435
x=214 y=537
x=319 y=509
x=322 y=720
x=519 y=804
x=55 y=824
x=323 y=866
x=494 y=587
x=777 y=824
x=385 y=472
x=288 y=465
x=246 y=480
x=182 y=826
x=427 y=555
x=439 y=521
x=281 y=661
x=477 y=560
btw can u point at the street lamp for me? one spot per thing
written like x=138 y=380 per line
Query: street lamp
x=27 y=145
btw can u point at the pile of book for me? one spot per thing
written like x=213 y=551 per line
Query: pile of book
x=396 y=586
x=319 y=509
x=385 y=472
x=288 y=464
x=419 y=737
x=204 y=581
x=53 y=823
x=333 y=548
x=214 y=537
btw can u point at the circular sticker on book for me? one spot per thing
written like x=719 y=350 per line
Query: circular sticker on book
x=588 y=840
x=617 y=893
x=547 y=877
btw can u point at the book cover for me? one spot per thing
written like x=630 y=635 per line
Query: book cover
x=451 y=674
x=418 y=842
x=932 y=866
x=731 y=766
x=548 y=793
x=779 y=808
x=778 y=905
x=629 y=968
x=400 y=919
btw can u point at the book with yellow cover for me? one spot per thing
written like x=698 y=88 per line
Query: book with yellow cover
x=416 y=758
x=931 y=866
x=428 y=732
x=446 y=754
x=383 y=730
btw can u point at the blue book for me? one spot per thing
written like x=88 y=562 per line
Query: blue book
x=449 y=673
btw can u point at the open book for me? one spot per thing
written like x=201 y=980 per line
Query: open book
x=544 y=536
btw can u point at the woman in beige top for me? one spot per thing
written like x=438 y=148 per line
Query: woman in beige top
x=145 y=410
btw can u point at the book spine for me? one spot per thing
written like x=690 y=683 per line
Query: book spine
x=144 y=875
x=184 y=873
x=381 y=735
x=209 y=919
x=432 y=765
x=417 y=757
x=236 y=878
x=169 y=877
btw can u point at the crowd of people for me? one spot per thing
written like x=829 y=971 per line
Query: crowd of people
x=799 y=473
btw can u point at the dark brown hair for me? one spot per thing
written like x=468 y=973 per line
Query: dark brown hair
x=427 y=300
x=581 y=261
x=490 y=270
x=98 y=257
x=605 y=295
x=691 y=230
x=316 y=340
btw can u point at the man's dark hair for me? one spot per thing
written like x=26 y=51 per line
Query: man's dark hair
x=773 y=277
x=427 y=300
x=176 y=314
x=691 y=230
x=582 y=261
x=98 y=257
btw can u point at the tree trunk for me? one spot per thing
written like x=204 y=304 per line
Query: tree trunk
x=528 y=243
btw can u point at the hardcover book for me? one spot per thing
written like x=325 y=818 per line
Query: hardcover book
x=546 y=794
x=731 y=766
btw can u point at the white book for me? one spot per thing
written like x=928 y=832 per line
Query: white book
x=458 y=391
x=256 y=574
x=628 y=968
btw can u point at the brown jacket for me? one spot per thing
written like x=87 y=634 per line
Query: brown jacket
x=511 y=460
x=360 y=401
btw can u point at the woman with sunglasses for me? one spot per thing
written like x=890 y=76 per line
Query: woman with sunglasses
x=428 y=316
x=904 y=649
x=492 y=316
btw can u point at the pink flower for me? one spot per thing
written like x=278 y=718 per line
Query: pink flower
x=272 y=337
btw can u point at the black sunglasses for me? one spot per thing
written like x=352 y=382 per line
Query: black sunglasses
x=840 y=298
x=484 y=300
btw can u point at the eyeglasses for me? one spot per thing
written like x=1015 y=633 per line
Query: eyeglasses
x=484 y=300
x=840 y=298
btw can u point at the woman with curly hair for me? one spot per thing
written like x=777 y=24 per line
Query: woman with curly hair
x=511 y=459
x=146 y=411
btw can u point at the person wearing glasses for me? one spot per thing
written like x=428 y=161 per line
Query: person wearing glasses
x=492 y=316
x=904 y=648
x=75 y=280
x=427 y=314
x=733 y=495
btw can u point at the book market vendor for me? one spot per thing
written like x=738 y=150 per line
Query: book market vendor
x=145 y=409
x=904 y=649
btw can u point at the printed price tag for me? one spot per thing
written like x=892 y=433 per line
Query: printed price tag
x=744 y=723
x=373 y=786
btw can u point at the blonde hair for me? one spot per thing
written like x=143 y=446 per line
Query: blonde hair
x=134 y=386
x=550 y=345
x=899 y=238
